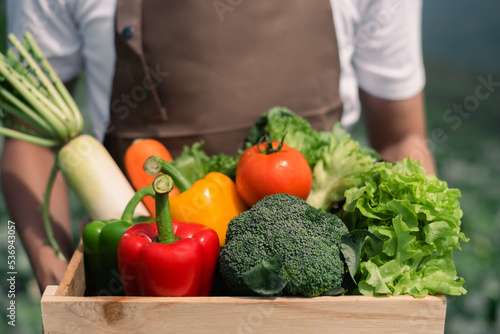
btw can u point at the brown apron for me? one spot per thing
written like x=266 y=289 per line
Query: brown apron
x=190 y=70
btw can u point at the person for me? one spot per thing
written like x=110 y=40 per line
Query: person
x=183 y=71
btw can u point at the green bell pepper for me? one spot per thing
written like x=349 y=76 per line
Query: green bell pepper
x=100 y=241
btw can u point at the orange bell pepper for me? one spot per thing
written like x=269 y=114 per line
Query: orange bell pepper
x=212 y=201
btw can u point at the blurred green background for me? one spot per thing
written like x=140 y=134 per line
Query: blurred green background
x=461 y=45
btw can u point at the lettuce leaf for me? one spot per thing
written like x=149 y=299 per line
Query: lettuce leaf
x=418 y=217
x=342 y=160
x=194 y=163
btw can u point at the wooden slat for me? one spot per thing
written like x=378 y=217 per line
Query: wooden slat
x=50 y=290
x=73 y=281
x=345 y=314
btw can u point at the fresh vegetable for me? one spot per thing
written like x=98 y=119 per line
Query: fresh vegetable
x=211 y=201
x=195 y=164
x=418 y=216
x=135 y=157
x=38 y=109
x=272 y=167
x=100 y=242
x=98 y=245
x=335 y=158
x=341 y=162
x=283 y=245
x=96 y=179
x=167 y=258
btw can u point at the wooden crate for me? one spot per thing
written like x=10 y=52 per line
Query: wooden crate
x=65 y=309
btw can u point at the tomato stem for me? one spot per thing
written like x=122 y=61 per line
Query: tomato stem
x=269 y=144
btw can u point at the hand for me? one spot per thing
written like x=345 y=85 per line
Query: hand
x=48 y=268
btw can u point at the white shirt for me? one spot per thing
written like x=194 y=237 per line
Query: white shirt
x=379 y=47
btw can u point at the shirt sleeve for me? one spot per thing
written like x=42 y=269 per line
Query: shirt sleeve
x=54 y=30
x=387 y=57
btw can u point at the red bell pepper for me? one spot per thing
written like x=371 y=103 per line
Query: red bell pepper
x=167 y=258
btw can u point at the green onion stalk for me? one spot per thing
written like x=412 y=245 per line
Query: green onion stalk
x=37 y=108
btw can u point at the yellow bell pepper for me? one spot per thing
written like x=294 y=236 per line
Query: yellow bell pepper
x=212 y=201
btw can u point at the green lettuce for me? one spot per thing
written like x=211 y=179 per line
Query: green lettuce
x=194 y=163
x=418 y=217
x=341 y=162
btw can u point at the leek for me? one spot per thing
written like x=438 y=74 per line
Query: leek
x=37 y=108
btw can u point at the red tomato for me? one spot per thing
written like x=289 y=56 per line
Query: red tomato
x=285 y=171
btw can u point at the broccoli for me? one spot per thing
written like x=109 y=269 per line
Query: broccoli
x=306 y=239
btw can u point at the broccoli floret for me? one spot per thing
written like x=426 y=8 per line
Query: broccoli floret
x=307 y=239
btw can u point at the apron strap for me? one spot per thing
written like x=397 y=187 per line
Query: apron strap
x=128 y=40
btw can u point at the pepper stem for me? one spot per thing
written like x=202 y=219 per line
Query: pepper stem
x=162 y=185
x=128 y=212
x=154 y=165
